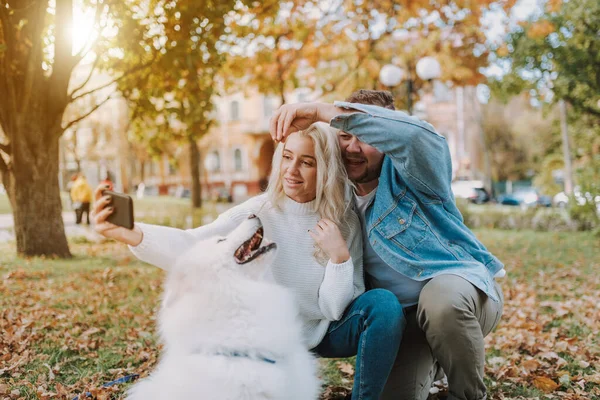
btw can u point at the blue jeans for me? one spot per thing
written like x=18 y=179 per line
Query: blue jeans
x=371 y=328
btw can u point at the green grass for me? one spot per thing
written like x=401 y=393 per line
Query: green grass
x=91 y=318
x=171 y=211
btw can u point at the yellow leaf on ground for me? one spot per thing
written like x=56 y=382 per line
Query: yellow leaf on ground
x=531 y=365
x=546 y=385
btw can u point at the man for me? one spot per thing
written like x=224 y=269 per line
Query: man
x=416 y=244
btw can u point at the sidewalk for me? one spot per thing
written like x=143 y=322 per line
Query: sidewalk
x=71 y=229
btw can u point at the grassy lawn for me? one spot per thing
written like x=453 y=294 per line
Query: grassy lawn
x=69 y=326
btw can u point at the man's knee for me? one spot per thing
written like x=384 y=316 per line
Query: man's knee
x=444 y=300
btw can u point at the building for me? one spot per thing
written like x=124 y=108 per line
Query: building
x=236 y=153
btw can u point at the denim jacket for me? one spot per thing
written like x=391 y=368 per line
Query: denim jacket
x=413 y=223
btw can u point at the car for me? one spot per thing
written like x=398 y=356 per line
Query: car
x=525 y=198
x=562 y=199
x=473 y=191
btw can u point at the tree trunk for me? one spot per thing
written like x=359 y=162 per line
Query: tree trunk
x=195 y=173
x=39 y=227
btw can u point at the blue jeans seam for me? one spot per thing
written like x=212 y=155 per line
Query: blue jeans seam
x=342 y=322
x=363 y=340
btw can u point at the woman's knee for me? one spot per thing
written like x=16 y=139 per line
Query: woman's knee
x=383 y=305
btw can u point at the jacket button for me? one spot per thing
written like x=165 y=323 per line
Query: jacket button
x=402 y=221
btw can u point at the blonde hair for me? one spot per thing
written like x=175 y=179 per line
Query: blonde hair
x=331 y=176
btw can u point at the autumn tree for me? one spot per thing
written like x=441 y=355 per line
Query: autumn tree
x=556 y=55
x=268 y=51
x=173 y=103
x=341 y=46
x=37 y=61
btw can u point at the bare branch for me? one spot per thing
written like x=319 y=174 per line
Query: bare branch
x=97 y=106
x=5 y=148
x=85 y=82
x=131 y=71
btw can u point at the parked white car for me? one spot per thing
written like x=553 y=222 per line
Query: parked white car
x=473 y=191
x=562 y=200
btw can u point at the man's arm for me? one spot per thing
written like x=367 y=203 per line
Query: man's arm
x=418 y=152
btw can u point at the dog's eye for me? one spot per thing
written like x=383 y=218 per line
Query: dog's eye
x=221 y=240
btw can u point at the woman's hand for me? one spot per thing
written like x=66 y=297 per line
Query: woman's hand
x=290 y=118
x=101 y=210
x=328 y=237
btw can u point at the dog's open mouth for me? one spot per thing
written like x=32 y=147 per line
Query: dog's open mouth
x=251 y=248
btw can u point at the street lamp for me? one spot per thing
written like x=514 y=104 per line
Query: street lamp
x=427 y=68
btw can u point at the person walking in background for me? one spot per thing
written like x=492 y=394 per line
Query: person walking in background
x=81 y=197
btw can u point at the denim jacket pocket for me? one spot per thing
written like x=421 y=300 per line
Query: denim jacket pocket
x=402 y=226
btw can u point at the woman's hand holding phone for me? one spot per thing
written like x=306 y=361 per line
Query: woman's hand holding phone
x=102 y=209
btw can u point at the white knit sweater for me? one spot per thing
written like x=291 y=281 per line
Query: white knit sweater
x=323 y=291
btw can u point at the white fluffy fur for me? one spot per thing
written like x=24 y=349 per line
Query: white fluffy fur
x=214 y=305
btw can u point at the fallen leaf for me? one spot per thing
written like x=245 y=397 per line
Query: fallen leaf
x=546 y=385
x=346 y=368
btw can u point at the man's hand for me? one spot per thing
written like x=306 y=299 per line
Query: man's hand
x=291 y=118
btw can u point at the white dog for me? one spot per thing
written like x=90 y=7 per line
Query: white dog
x=227 y=334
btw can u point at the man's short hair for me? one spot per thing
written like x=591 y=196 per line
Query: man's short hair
x=381 y=98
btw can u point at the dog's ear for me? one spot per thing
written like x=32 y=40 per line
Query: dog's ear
x=177 y=285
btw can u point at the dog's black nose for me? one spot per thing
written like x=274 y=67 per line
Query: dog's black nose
x=251 y=216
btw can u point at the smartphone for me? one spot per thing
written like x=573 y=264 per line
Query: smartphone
x=123 y=209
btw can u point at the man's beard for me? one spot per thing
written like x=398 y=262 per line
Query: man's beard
x=370 y=174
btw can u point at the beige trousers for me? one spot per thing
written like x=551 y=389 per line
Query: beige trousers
x=448 y=326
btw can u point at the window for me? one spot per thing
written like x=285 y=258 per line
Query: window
x=235 y=110
x=216 y=161
x=237 y=159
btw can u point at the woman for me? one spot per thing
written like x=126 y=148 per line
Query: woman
x=319 y=254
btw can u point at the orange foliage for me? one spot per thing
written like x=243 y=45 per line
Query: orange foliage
x=540 y=29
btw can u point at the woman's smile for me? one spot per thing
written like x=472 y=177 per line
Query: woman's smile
x=299 y=169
